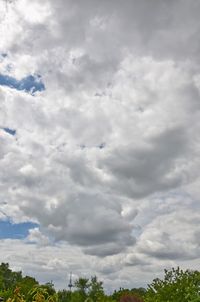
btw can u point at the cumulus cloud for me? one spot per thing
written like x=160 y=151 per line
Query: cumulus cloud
x=106 y=158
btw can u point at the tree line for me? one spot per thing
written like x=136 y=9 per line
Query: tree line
x=176 y=286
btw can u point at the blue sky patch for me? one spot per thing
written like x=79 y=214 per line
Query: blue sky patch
x=30 y=84
x=10 y=131
x=9 y=230
x=102 y=146
x=3 y=55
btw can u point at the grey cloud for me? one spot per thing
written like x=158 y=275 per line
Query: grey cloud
x=172 y=236
x=135 y=260
x=150 y=169
x=89 y=221
x=108 y=249
x=147 y=26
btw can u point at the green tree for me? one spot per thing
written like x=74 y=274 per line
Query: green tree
x=96 y=291
x=26 y=284
x=77 y=296
x=177 y=286
x=8 y=278
x=64 y=295
x=140 y=292
x=106 y=298
x=49 y=286
x=82 y=285
x=5 y=294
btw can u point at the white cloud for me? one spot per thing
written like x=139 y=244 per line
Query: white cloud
x=37 y=237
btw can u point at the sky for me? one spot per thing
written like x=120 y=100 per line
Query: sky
x=99 y=139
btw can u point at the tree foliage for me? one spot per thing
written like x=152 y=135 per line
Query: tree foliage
x=138 y=293
x=26 y=285
x=177 y=286
x=82 y=285
x=131 y=298
x=8 y=278
x=96 y=291
x=64 y=295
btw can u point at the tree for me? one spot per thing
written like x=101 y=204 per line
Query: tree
x=77 y=296
x=16 y=296
x=107 y=299
x=82 y=285
x=8 y=279
x=40 y=294
x=130 y=298
x=49 y=286
x=26 y=284
x=177 y=286
x=96 y=291
x=138 y=293
x=64 y=295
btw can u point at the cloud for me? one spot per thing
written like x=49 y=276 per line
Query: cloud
x=37 y=237
x=172 y=235
x=143 y=171
x=87 y=221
